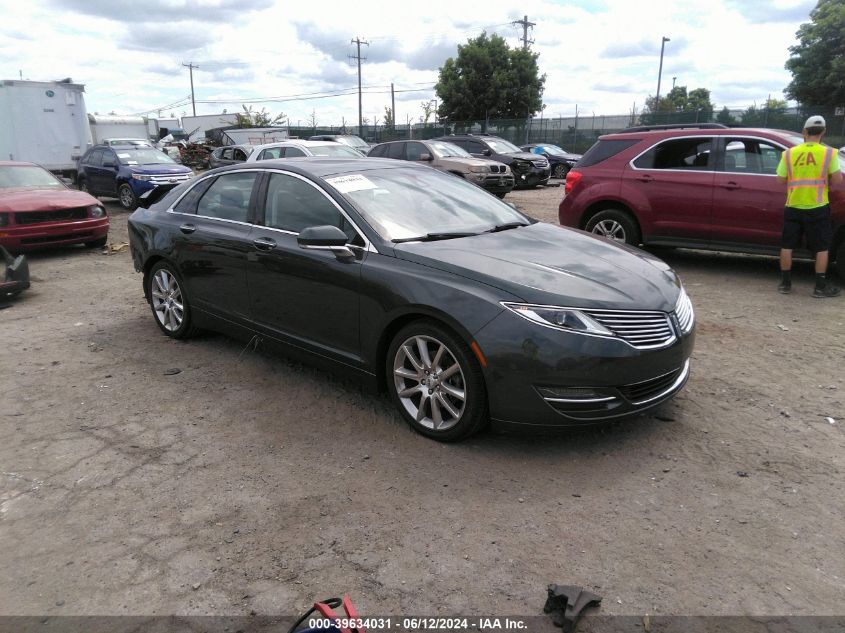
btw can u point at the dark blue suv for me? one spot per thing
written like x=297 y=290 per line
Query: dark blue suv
x=125 y=172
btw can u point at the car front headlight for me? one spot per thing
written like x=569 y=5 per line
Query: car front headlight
x=97 y=211
x=480 y=169
x=568 y=319
x=142 y=177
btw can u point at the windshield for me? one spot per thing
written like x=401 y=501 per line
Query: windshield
x=334 y=150
x=353 y=141
x=143 y=157
x=501 y=146
x=554 y=150
x=446 y=150
x=406 y=203
x=27 y=176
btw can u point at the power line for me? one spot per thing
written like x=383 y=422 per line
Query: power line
x=358 y=41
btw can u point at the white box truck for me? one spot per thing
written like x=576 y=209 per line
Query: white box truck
x=44 y=122
x=121 y=127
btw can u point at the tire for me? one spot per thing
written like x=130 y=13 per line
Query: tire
x=166 y=293
x=615 y=225
x=100 y=243
x=127 y=197
x=448 y=408
x=560 y=171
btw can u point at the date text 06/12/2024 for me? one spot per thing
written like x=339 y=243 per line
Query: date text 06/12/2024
x=420 y=624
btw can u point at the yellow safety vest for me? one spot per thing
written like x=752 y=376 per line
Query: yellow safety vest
x=806 y=171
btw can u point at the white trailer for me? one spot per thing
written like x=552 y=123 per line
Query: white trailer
x=135 y=127
x=197 y=126
x=44 y=122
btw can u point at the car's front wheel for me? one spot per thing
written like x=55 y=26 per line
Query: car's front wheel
x=168 y=301
x=127 y=197
x=82 y=185
x=560 y=171
x=436 y=382
x=615 y=225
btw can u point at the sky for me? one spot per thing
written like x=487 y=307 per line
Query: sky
x=599 y=56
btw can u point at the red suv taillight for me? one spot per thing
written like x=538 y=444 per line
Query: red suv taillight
x=572 y=179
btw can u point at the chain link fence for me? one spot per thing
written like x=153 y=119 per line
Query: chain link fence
x=578 y=133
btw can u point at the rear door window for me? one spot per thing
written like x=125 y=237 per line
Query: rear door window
x=294 y=152
x=474 y=147
x=273 y=152
x=414 y=150
x=750 y=156
x=694 y=154
x=95 y=158
x=397 y=150
x=378 y=151
x=228 y=197
x=188 y=203
x=605 y=149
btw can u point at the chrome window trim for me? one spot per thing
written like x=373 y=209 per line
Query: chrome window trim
x=368 y=245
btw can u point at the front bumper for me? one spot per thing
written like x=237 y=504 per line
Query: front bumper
x=533 y=177
x=18 y=238
x=496 y=183
x=543 y=377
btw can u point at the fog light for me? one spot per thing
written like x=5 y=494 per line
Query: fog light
x=567 y=392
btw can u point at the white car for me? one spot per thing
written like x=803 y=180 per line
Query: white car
x=295 y=149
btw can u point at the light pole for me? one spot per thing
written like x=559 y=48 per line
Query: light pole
x=660 y=74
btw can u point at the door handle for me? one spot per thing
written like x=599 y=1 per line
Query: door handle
x=645 y=178
x=264 y=243
x=732 y=185
x=187 y=228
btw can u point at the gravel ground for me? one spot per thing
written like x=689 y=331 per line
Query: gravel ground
x=245 y=482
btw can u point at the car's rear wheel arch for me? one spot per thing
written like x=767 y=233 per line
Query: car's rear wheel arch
x=148 y=266
x=611 y=205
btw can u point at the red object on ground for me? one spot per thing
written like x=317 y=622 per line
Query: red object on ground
x=38 y=210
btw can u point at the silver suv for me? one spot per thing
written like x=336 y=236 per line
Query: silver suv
x=488 y=174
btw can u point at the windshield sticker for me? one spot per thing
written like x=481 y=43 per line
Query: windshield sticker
x=123 y=155
x=348 y=184
x=131 y=162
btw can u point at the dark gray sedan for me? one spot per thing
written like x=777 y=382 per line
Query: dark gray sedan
x=418 y=282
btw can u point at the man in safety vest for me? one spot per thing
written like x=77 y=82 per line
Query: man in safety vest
x=808 y=170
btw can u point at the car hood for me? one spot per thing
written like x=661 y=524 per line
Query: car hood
x=27 y=199
x=527 y=156
x=552 y=265
x=466 y=161
x=160 y=168
x=566 y=156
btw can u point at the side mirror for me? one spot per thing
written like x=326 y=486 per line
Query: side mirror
x=425 y=156
x=487 y=152
x=325 y=238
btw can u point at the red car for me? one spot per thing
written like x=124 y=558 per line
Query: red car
x=708 y=187
x=38 y=210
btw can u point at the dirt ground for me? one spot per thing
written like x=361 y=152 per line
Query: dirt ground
x=248 y=483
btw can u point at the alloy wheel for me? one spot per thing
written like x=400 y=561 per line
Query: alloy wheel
x=429 y=382
x=559 y=171
x=610 y=229
x=127 y=198
x=167 y=300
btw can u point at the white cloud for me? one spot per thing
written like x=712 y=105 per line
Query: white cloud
x=602 y=56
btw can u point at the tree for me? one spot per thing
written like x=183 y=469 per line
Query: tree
x=258 y=118
x=678 y=106
x=428 y=110
x=725 y=117
x=388 y=118
x=771 y=114
x=487 y=78
x=817 y=61
x=312 y=120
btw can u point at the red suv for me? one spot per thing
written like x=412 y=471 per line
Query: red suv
x=705 y=186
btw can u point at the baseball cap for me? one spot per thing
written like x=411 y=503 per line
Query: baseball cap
x=815 y=121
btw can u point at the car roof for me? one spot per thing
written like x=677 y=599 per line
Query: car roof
x=320 y=167
x=297 y=143
x=692 y=131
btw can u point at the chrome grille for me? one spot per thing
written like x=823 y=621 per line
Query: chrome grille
x=640 y=329
x=684 y=312
x=168 y=179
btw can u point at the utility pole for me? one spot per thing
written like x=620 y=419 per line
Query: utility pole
x=524 y=23
x=659 y=75
x=358 y=41
x=393 y=106
x=190 y=66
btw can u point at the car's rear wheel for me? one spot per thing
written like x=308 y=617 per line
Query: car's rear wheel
x=615 y=225
x=436 y=382
x=168 y=301
x=560 y=171
x=127 y=197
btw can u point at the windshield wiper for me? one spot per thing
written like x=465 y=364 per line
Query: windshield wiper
x=433 y=237
x=506 y=226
